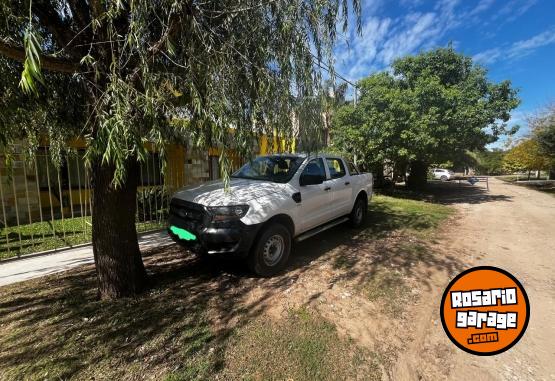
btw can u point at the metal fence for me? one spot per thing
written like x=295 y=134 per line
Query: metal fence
x=48 y=207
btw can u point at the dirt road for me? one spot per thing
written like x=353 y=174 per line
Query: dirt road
x=512 y=228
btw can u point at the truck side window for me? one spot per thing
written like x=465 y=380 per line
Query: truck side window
x=315 y=167
x=353 y=170
x=336 y=167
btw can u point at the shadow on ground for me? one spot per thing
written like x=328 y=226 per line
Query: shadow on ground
x=451 y=192
x=55 y=327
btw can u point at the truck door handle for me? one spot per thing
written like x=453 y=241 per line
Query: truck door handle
x=327 y=188
x=347 y=183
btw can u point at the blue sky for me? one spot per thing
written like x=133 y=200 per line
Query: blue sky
x=513 y=39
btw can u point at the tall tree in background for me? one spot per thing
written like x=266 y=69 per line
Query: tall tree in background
x=489 y=162
x=118 y=72
x=432 y=106
x=528 y=156
x=333 y=98
x=543 y=129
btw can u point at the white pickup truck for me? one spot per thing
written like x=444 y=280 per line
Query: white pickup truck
x=271 y=201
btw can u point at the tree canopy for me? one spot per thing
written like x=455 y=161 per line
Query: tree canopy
x=121 y=73
x=543 y=131
x=527 y=155
x=428 y=108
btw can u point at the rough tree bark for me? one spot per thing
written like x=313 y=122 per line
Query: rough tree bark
x=119 y=265
x=418 y=177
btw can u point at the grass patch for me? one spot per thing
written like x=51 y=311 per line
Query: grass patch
x=302 y=346
x=388 y=287
x=388 y=213
x=546 y=186
x=514 y=178
x=49 y=235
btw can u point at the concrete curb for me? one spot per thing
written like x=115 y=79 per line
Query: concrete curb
x=63 y=249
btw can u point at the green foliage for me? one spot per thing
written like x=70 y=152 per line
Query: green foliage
x=31 y=67
x=117 y=73
x=490 y=162
x=432 y=107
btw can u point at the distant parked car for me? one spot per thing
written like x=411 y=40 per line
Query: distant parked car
x=443 y=174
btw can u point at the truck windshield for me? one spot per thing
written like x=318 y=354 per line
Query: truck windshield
x=278 y=169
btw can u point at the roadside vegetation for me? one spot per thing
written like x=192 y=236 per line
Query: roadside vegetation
x=52 y=234
x=542 y=184
x=415 y=217
x=206 y=320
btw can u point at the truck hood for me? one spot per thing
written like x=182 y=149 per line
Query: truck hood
x=241 y=191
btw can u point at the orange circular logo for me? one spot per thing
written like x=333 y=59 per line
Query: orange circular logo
x=485 y=310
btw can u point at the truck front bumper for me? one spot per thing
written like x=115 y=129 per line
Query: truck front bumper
x=233 y=237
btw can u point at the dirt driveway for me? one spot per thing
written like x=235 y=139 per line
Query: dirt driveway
x=509 y=227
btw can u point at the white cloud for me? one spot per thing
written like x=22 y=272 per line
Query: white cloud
x=416 y=30
x=483 y=5
x=385 y=39
x=525 y=47
x=488 y=56
x=517 y=49
x=364 y=49
x=514 y=9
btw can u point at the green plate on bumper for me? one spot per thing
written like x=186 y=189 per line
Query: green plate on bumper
x=183 y=234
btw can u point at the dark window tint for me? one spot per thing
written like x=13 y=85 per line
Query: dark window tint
x=315 y=168
x=336 y=167
x=353 y=170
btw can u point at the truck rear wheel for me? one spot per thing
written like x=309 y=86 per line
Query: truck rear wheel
x=358 y=214
x=270 y=253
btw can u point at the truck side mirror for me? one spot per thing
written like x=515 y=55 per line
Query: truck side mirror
x=307 y=179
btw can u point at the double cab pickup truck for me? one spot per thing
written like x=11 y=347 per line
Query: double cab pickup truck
x=270 y=202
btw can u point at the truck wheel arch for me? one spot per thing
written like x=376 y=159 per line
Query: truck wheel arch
x=284 y=220
x=362 y=194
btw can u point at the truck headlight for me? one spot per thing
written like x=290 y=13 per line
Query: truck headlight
x=227 y=213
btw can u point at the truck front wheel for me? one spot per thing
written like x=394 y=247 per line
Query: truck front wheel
x=269 y=254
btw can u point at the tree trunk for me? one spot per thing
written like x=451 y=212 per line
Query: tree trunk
x=418 y=176
x=529 y=173
x=552 y=173
x=119 y=265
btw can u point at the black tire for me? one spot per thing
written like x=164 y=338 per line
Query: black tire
x=265 y=262
x=444 y=178
x=359 y=212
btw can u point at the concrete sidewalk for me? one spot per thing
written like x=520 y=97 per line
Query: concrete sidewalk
x=37 y=266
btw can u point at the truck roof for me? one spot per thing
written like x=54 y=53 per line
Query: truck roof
x=304 y=155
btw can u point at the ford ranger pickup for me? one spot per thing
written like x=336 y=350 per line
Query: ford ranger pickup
x=271 y=201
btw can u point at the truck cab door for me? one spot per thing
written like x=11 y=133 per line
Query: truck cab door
x=341 y=187
x=315 y=208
